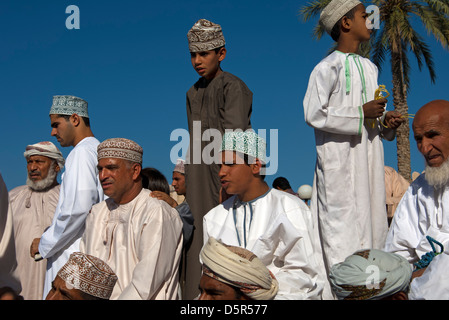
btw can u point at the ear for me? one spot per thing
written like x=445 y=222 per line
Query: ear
x=222 y=54
x=346 y=23
x=256 y=167
x=57 y=168
x=137 y=168
x=75 y=120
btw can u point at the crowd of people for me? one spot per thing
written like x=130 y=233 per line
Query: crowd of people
x=114 y=230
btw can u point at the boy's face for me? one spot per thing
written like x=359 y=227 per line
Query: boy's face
x=207 y=63
x=359 y=24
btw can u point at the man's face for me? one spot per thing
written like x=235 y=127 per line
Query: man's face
x=117 y=178
x=179 y=183
x=60 y=291
x=63 y=130
x=207 y=63
x=235 y=175
x=38 y=167
x=212 y=289
x=431 y=133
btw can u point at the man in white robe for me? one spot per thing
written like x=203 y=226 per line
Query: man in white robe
x=33 y=207
x=276 y=226
x=348 y=197
x=424 y=208
x=80 y=187
x=138 y=236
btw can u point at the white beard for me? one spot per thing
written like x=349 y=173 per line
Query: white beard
x=45 y=183
x=438 y=177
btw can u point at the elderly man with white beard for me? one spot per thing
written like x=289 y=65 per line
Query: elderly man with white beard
x=33 y=207
x=424 y=208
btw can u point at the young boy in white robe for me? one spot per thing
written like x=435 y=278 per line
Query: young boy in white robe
x=276 y=226
x=349 y=188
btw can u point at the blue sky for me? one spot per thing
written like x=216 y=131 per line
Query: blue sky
x=130 y=61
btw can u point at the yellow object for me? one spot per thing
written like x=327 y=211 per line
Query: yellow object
x=378 y=94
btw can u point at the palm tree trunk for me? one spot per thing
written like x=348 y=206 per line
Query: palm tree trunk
x=400 y=105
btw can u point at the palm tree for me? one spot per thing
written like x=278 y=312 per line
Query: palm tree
x=396 y=37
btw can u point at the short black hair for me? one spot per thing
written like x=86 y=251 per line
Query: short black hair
x=67 y=118
x=282 y=183
x=218 y=49
x=154 y=180
x=336 y=30
x=249 y=159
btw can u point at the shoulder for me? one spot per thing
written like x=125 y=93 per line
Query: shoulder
x=369 y=63
x=331 y=63
x=88 y=144
x=14 y=193
x=148 y=207
x=86 y=149
x=229 y=80
x=286 y=202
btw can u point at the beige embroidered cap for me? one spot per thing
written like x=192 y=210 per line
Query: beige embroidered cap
x=120 y=148
x=88 y=274
x=204 y=36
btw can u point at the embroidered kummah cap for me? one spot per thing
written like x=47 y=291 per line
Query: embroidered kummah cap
x=370 y=275
x=89 y=274
x=120 y=148
x=240 y=268
x=46 y=149
x=246 y=142
x=334 y=11
x=179 y=166
x=68 y=105
x=205 y=36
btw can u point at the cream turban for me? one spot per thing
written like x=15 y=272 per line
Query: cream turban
x=240 y=268
x=180 y=166
x=120 y=148
x=334 y=11
x=88 y=274
x=46 y=149
x=246 y=142
x=205 y=36
x=68 y=105
x=370 y=275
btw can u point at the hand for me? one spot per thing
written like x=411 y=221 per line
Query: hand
x=223 y=195
x=165 y=197
x=393 y=119
x=374 y=109
x=34 y=248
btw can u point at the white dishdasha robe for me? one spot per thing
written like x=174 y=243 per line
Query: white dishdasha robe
x=80 y=189
x=348 y=198
x=142 y=242
x=32 y=213
x=423 y=211
x=278 y=228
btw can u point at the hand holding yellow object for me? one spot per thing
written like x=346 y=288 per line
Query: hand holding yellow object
x=378 y=94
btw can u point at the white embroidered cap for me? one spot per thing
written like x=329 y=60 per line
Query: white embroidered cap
x=334 y=11
x=246 y=142
x=180 y=166
x=68 y=105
